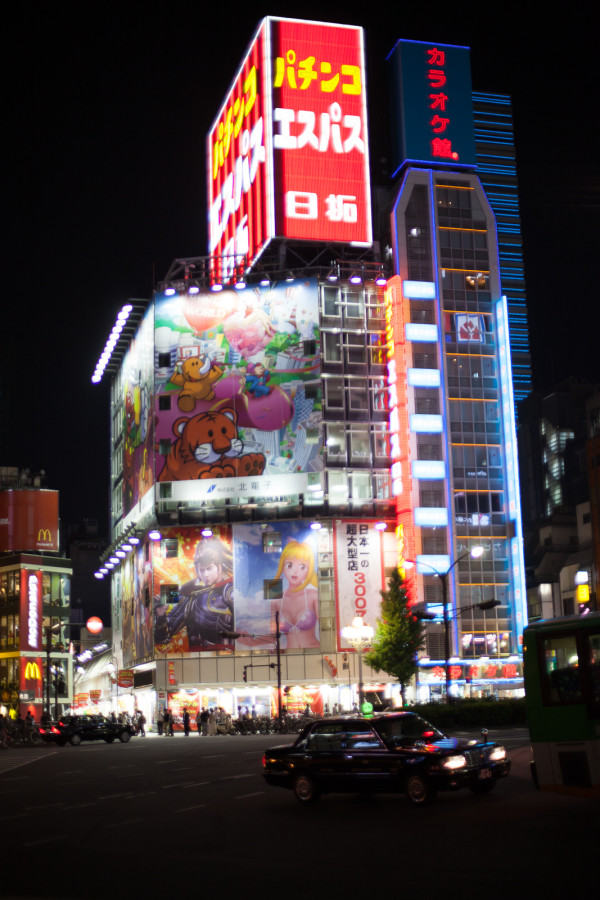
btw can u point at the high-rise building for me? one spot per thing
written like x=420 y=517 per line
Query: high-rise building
x=294 y=416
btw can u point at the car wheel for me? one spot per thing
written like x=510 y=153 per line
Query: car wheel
x=109 y=739
x=483 y=787
x=419 y=790
x=305 y=788
x=75 y=740
x=124 y=737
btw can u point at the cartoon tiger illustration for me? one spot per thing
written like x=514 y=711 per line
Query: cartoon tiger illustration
x=208 y=446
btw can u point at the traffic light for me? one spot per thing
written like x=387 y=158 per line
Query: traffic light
x=245 y=675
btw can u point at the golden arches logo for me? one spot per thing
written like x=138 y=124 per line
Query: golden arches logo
x=32 y=670
x=44 y=534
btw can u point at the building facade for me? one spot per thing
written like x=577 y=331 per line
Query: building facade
x=280 y=442
x=36 y=668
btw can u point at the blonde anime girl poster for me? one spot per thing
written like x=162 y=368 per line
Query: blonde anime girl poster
x=276 y=571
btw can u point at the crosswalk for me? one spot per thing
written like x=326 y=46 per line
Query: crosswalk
x=16 y=757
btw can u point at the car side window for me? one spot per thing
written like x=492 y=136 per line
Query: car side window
x=360 y=736
x=325 y=737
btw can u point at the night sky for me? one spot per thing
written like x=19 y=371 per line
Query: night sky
x=106 y=111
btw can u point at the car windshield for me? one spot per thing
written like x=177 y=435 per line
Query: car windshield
x=407 y=728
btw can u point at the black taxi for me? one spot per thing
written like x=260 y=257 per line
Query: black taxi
x=392 y=752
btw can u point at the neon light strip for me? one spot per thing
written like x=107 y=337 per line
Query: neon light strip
x=512 y=468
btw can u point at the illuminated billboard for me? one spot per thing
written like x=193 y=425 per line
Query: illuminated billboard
x=288 y=152
x=28 y=520
x=359 y=573
x=236 y=578
x=432 y=106
x=238 y=404
x=30 y=631
x=138 y=446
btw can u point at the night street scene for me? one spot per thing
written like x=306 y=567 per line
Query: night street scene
x=299 y=453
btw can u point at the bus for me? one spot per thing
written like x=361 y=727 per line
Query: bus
x=562 y=690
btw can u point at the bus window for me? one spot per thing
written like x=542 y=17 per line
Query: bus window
x=562 y=673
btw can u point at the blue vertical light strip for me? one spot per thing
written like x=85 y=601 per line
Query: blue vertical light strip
x=517 y=560
x=444 y=378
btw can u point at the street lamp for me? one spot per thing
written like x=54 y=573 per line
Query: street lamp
x=474 y=553
x=359 y=635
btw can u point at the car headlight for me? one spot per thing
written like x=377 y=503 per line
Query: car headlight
x=454 y=762
x=497 y=754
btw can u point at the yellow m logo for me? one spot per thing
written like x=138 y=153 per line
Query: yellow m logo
x=44 y=535
x=32 y=670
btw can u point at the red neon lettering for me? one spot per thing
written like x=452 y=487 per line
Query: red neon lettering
x=437 y=77
x=436 y=57
x=443 y=147
x=439 y=124
x=439 y=101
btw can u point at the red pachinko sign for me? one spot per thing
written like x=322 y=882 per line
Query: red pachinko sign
x=288 y=152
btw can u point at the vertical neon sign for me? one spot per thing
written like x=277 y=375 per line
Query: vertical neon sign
x=399 y=427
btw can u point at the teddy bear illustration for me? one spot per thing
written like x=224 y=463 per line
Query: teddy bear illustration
x=198 y=373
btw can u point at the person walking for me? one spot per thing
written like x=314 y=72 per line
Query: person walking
x=204 y=716
x=160 y=721
x=186 y=722
x=166 y=721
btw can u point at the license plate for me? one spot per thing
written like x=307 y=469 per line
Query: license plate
x=484 y=773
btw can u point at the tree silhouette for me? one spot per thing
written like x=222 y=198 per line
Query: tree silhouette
x=398 y=635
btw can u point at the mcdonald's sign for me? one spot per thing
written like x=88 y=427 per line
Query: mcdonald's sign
x=32 y=670
x=28 y=519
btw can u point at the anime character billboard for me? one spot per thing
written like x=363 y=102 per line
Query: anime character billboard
x=138 y=448
x=193 y=591
x=238 y=391
x=135 y=585
x=276 y=571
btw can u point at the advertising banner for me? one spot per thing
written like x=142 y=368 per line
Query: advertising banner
x=209 y=588
x=238 y=405
x=275 y=570
x=31 y=610
x=193 y=591
x=125 y=678
x=28 y=520
x=138 y=446
x=359 y=573
x=288 y=152
x=133 y=584
x=320 y=140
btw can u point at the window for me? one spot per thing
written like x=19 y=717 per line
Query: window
x=334 y=397
x=360 y=736
x=325 y=738
x=271 y=541
x=169 y=548
x=336 y=443
x=359 y=444
x=562 y=674
x=169 y=593
x=332 y=347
